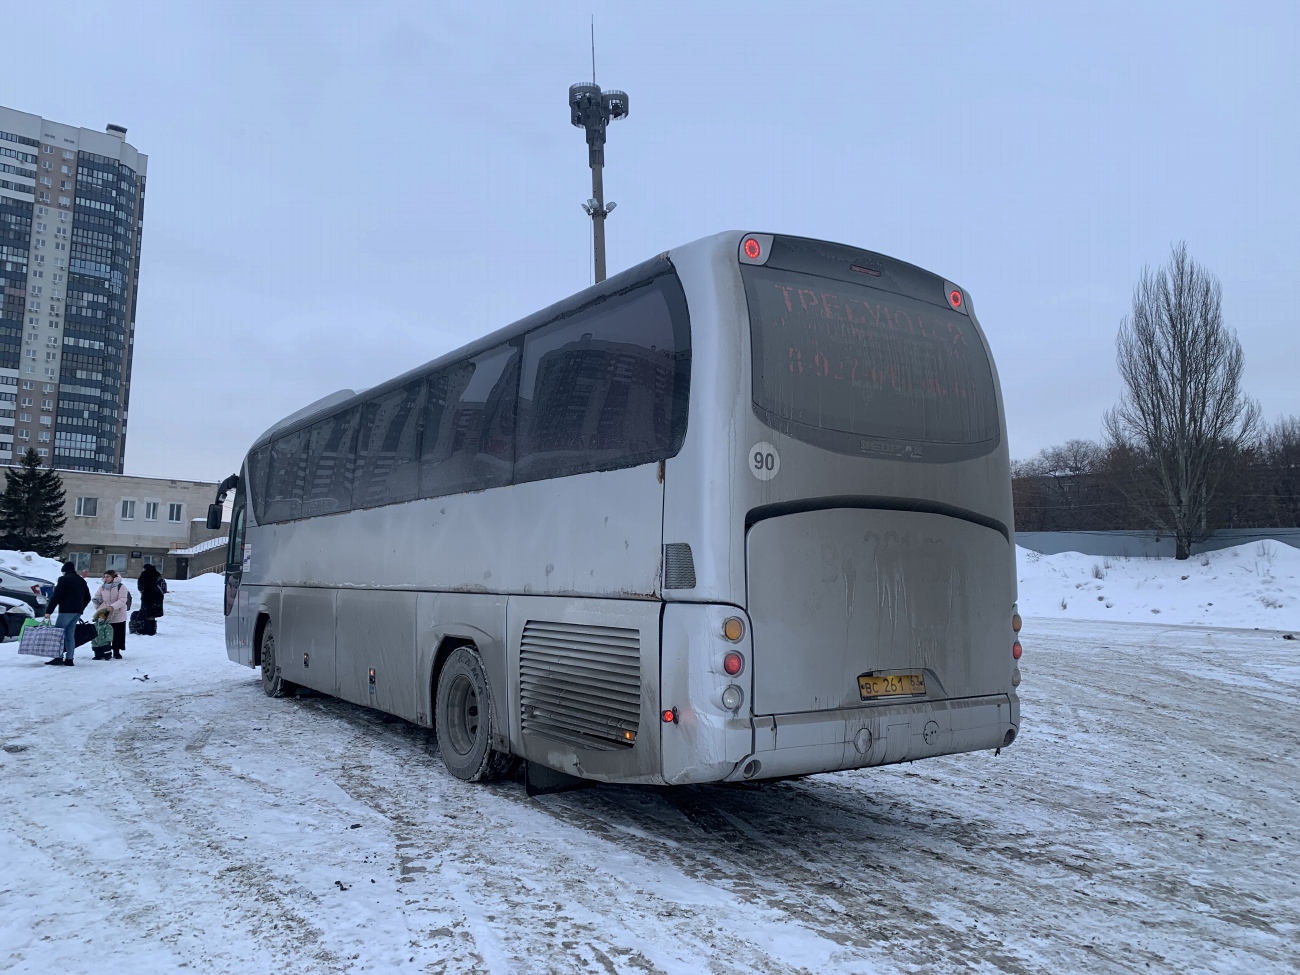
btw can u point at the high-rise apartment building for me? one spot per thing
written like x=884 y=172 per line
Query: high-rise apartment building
x=71 y=208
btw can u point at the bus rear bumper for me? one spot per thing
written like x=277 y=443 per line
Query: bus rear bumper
x=831 y=741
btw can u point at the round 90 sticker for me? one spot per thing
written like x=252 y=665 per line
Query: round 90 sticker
x=764 y=461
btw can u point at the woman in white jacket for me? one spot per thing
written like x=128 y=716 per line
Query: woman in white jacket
x=117 y=598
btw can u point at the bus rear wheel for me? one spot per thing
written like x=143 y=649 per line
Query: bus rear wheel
x=272 y=682
x=463 y=720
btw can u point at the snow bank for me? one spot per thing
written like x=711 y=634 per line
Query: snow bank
x=31 y=564
x=1249 y=586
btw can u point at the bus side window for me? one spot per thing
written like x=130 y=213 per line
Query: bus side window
x=388 y=449
x=259 y=462
x=599 y=388
x=284 y=481
x=469 y=424
x=331 y=458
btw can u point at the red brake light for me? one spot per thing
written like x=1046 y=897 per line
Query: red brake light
x=752 y=248
x=670 y=715
x=733 y=663
x=954 y=298
x=1016 y=650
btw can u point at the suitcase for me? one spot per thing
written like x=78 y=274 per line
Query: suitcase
x=84 y=633
x=142 y=625
x=41 y=640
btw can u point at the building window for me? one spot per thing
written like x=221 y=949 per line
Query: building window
x=49 y=149
x=27 y=401
x=43 y=436
x=174 y=512
x=80 y=559
x=155 y=560
x=87 y=507
x=42 y=452
x=47 y=404
x=128 y=509
x=116 y=560
x=45 y=421
x=151 y=511
x=65 y=201
x=24 y=435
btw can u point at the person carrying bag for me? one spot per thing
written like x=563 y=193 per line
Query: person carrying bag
x=70 y=597
x=152 y=588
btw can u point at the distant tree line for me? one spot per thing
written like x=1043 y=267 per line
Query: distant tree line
x=1084 y=485
x=1185 y=453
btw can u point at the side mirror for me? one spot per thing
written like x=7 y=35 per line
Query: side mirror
x=214 y=516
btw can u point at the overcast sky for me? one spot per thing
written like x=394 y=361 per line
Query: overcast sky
x=340 y=191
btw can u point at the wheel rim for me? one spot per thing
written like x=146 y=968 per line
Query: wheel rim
x=268 y=658
x=462 y=715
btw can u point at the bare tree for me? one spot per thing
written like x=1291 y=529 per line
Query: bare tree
x=1182 y=410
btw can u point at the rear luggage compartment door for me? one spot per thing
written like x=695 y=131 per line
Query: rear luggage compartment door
x=847 y=592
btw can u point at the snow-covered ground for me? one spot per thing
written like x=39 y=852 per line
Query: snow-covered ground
x=159 y=813
x=1255 y=586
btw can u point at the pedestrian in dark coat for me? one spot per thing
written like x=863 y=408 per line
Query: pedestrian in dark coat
x=152 y=587
x=70 y=597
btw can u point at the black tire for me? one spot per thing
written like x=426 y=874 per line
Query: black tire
x=272 y=682
x=464 y=722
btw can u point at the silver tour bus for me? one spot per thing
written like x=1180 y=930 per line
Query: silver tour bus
x=740 y=512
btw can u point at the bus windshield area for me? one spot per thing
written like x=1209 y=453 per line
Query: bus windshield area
x=854 y=368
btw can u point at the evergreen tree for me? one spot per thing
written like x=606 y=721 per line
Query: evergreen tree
x=31 y=508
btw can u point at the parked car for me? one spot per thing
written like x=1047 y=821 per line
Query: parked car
x=46 y=587
x=15 y=613
x=28 y=590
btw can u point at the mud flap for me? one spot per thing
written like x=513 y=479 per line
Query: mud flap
x=542 y=781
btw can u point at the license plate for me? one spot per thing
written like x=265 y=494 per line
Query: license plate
x=890 y=685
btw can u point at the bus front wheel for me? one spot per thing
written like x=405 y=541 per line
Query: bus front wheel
x=272 y=682
x=463 y=720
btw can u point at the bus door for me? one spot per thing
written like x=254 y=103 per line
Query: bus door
x=239 y=637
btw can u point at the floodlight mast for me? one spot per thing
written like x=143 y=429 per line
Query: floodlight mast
x=592 y=109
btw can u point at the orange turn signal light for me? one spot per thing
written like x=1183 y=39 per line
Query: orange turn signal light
x=1015 y=622
x=733 y=629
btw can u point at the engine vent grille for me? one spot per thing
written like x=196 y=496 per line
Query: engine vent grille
x=580 y=684
x=679 y=566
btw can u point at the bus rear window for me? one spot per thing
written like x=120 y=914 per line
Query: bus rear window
x=857 y=370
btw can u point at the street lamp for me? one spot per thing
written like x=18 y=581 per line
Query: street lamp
x=593 y=110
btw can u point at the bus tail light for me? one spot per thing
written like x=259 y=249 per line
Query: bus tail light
x=733 y=628
x=733 y=663
x=1016 y=650
x=1015 y=622
x=670 y=715
x=732 y=697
